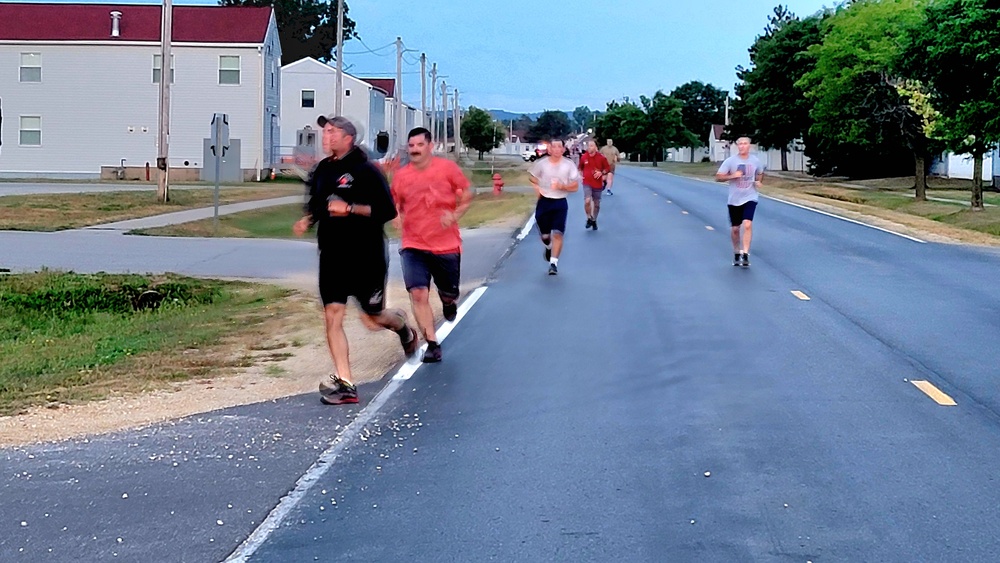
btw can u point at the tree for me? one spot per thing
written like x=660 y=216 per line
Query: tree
x=551 y=124
x=858 y=116
x=956 y=51
x=854 y=85
x=583 y=118
x=663 y=126
x=480 y=131
x=621 y=122
x=306 y=28
x=522 y=128
x=703 y=105
x=770 y=108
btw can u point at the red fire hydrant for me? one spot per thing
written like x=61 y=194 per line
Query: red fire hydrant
x=497 y=184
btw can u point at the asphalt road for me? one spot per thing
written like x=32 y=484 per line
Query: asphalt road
x=650 y=403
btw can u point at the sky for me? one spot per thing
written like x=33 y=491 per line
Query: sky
x=528 y=56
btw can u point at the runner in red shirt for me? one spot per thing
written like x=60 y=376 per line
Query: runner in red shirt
x=431 y=194
x=593 y=168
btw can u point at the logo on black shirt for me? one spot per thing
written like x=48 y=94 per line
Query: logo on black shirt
x=345 y=181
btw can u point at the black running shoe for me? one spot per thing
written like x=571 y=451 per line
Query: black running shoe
x=410 y=346
x=450 y=311
x=432 y=356
x=594 y=224
x=553 y=270
x=336 y=391
x=611 y=192
x=589 y=222
x=547 y=254
x=745 y=260
x=737 y=259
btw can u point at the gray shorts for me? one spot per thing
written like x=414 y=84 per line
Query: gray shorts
x=592 y=193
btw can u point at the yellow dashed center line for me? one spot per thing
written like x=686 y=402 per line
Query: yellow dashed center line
x=800 y=295
x=938 y=396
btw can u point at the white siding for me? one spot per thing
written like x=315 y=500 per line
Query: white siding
x=92 y=95
x=272 y=96
x=961 y=166
x=310 y=74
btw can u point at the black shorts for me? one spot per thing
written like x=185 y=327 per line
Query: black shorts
x=740 y=213
x=340 y=278
x=420 y=267
x=550 y=215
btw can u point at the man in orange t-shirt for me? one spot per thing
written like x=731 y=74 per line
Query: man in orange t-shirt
x=431 y=194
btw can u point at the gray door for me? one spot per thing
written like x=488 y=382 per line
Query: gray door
x=230 y=169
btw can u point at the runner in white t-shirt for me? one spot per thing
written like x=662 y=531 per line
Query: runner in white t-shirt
x=744 y=172
x=553 y=178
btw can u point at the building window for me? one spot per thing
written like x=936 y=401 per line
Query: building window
x=158 y=68
x=31 y=131
x=31 y=67
x=347 y=93
x=229 y=69
x=308 y=98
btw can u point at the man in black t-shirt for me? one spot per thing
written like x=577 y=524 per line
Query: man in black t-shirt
x=348 y=198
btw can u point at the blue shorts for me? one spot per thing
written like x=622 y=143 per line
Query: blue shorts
x=421 y=266
x=550 y=215
x=740 y=213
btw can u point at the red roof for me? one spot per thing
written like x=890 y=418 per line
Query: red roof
x=719 y=131
x=387 y=85
x=92 y=22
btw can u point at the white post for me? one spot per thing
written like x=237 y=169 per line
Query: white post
x=163 y=154
x=398 y=104
x=433 y=127
x=338 y=105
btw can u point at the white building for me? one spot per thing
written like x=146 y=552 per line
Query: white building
x=80 y=89
x=308 y=90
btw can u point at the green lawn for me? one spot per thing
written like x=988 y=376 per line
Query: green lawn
x=67 y=337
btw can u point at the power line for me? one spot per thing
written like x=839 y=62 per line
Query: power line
x=369 y=50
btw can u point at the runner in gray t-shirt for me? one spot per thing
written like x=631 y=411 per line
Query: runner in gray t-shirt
x=553 y=178
x=744 y=172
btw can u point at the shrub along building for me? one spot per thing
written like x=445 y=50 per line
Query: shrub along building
x=80 y=90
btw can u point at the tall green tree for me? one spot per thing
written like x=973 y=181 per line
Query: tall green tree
x=663 y=126
x=854 y=85
x=860 y=122
x=956 y=51
x=481 y=132
x=702 y=105
x=306 y=28
x=583 y=117
x=550 y=124
x=770 y=108
x=622 y=123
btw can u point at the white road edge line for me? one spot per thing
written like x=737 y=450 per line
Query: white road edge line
x=325 y=461
x=527 y=228
x=842 y=218
x=806 y=207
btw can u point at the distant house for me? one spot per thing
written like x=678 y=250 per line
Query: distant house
x=411 y=115
x=80 y=89
x=718 y=147
x=308 y=90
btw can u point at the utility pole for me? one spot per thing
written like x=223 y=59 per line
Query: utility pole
x=423 y=87
x=444 y=116
x=434 y=74
x=338 y=105
x=162 y=158
x=397 y=105
x=457 y=120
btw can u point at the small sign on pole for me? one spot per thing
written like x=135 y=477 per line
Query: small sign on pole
x=219 y=145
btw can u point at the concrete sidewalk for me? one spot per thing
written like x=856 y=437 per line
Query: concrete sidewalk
x=179 y=217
